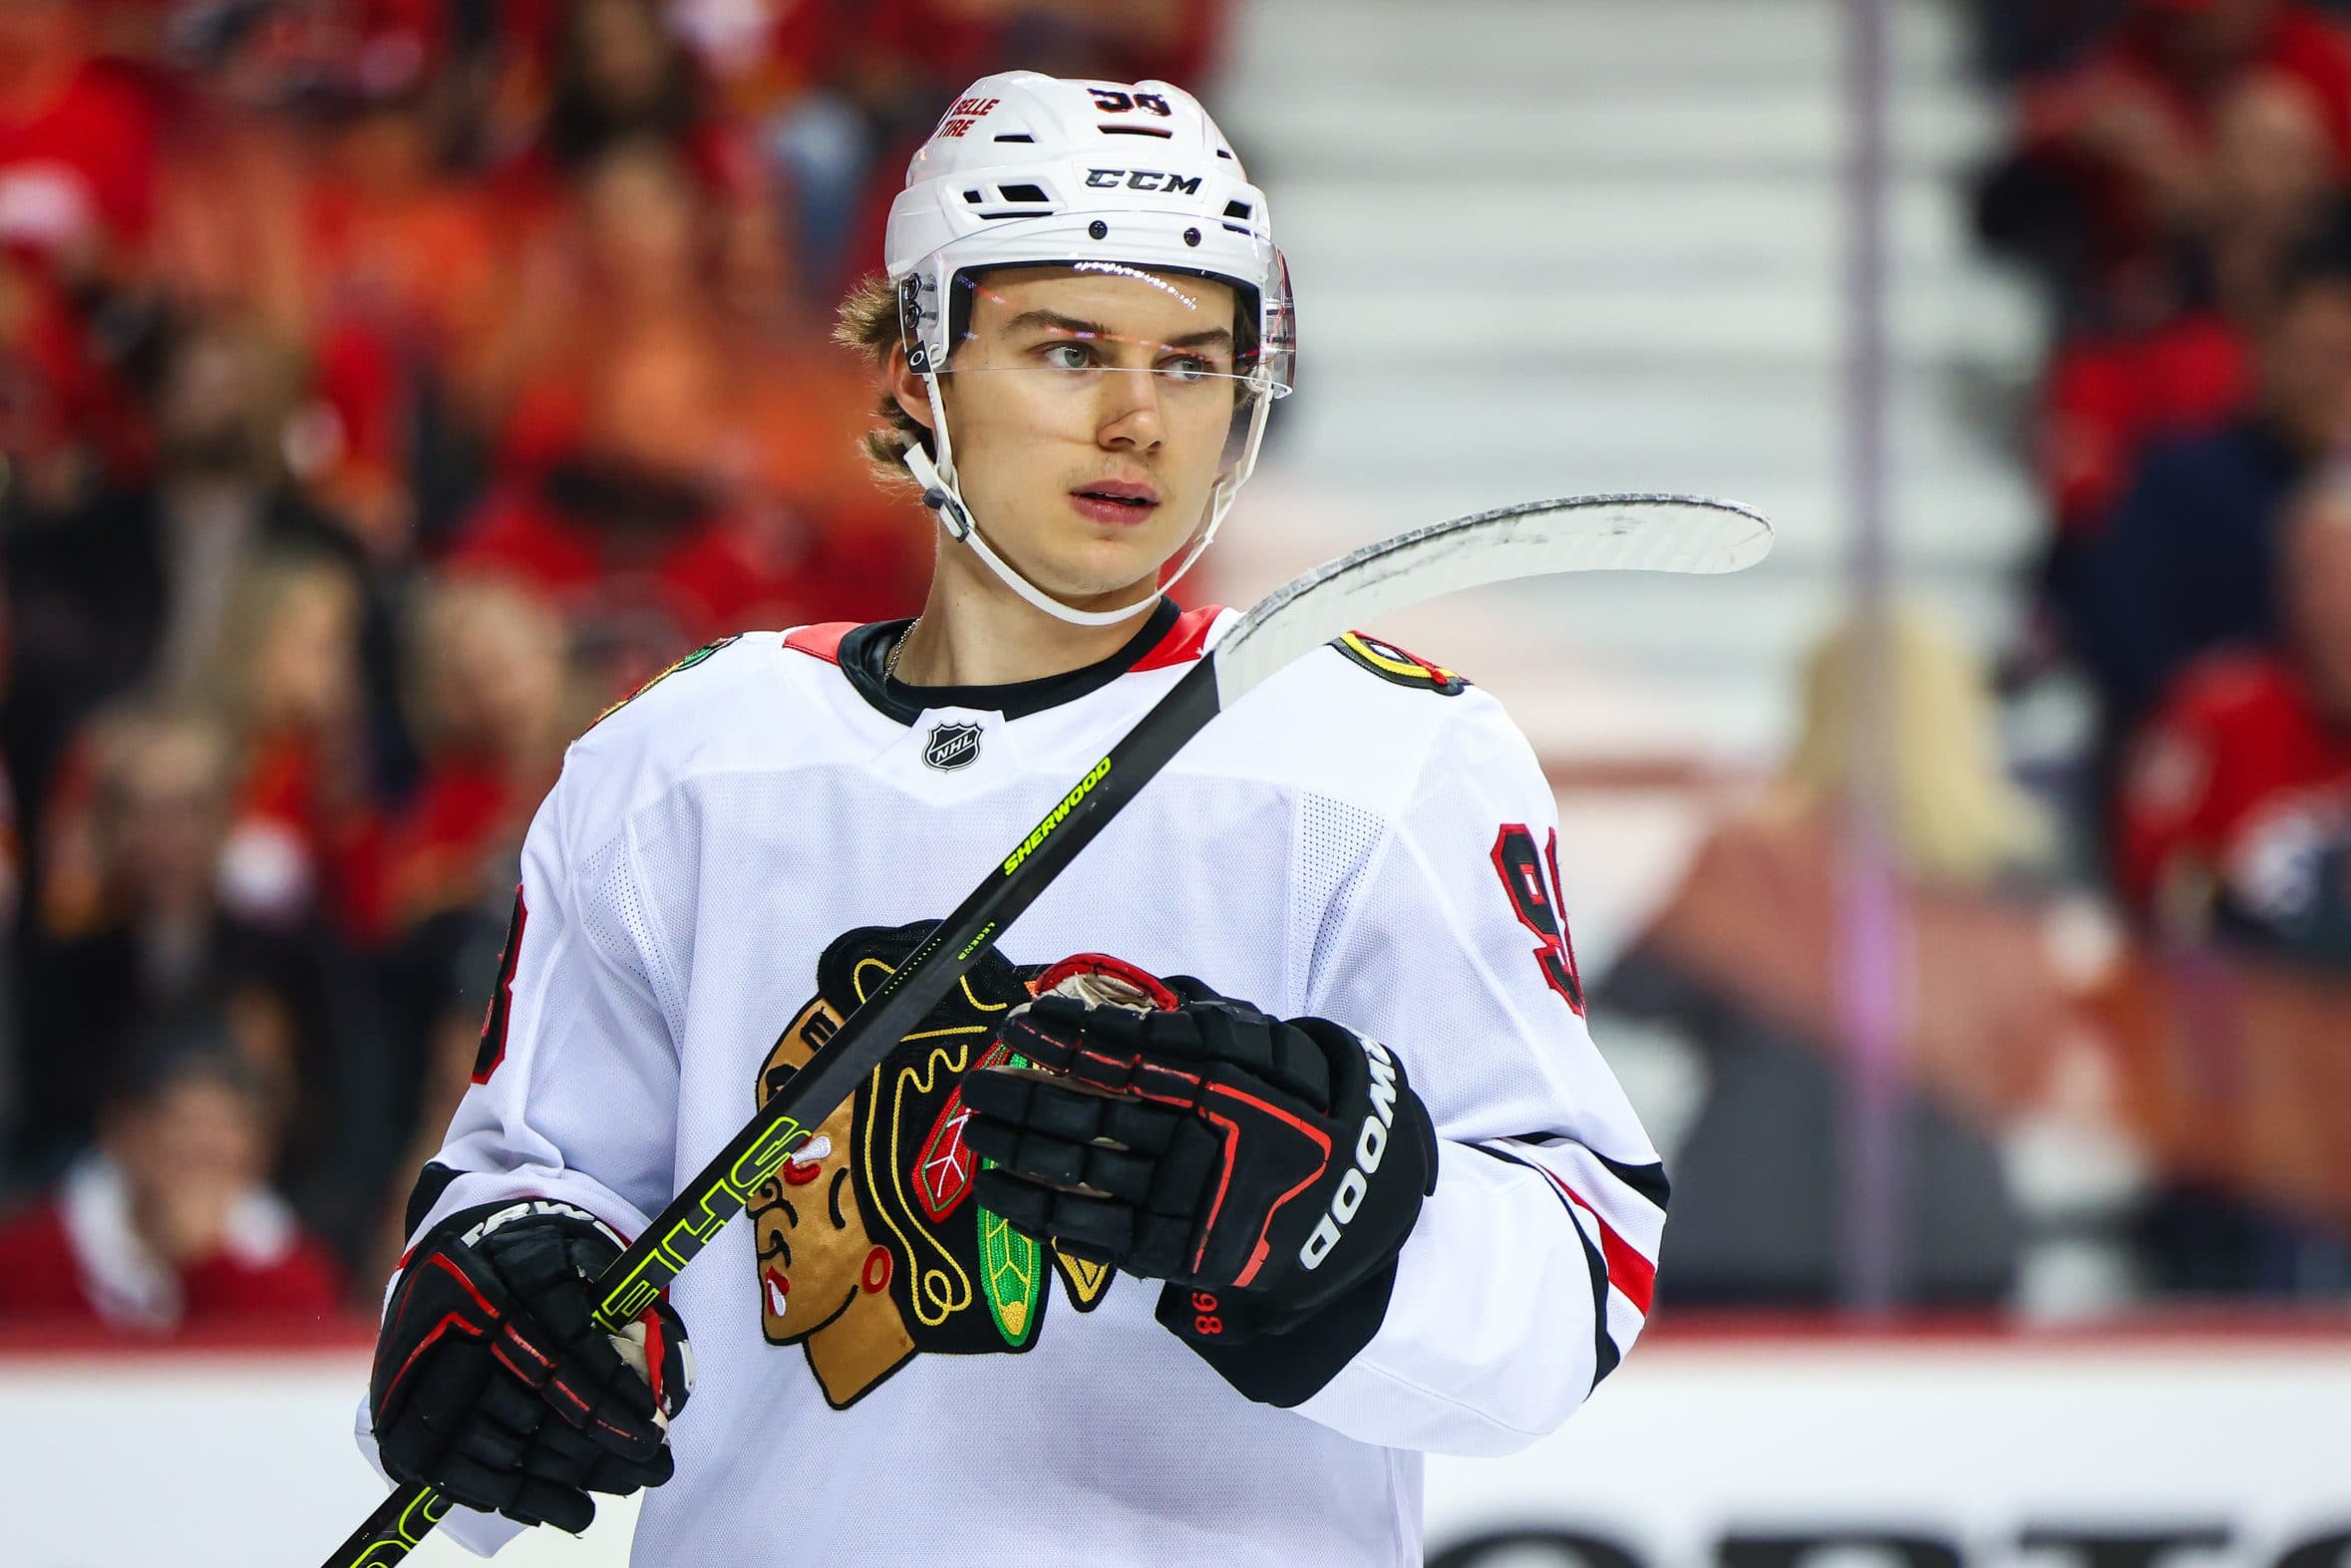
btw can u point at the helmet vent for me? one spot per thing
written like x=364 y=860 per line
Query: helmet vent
x=1224 y=152
x=1016 y=136
x=972 y=197
x=1237 y=209
x=1135 y=131
x=1022 y=193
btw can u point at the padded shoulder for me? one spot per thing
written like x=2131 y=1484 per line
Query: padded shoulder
x=714 y=707
x=698 y=656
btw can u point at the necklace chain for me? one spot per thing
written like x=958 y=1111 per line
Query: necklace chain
x=890 y=665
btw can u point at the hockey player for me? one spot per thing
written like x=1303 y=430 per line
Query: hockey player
x=1189 y=1260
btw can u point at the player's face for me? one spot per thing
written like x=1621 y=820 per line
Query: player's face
x=1090 y=413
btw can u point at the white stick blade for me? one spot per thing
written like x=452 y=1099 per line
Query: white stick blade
x=1673 y=533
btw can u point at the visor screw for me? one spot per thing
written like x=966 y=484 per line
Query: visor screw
x=1192 y=236
x=1098 y=228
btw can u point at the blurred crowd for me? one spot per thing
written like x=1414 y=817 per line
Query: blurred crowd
x=2180 y=185
x=386 y=387
x=2113 y=1014
x=2179 y=182
x=2085 y=1044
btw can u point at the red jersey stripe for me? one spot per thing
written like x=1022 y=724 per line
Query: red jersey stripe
x=1184 y=640
x=1631 y=1273
x=822 y=641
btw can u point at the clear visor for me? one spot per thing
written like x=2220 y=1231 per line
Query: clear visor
x=1141 y=318
x=1100 y=346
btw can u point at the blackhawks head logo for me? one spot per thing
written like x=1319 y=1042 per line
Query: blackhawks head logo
x=871 y=1246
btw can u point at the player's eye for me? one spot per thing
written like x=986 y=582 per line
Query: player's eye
x=1188 y=370
x=1068 y=356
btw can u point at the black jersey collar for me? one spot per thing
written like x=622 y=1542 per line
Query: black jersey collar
x=865 y=650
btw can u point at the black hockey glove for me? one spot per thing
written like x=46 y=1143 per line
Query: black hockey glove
x=1270 y=1171
x=494 y=1383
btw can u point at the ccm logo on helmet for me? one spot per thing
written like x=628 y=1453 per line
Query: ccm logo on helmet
x=1370 y=1145
x=1143 y=180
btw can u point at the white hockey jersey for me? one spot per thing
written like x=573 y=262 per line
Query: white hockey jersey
x=884 y=1377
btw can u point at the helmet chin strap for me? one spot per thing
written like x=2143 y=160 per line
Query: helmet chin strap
x=940 y=495
x=943 y=496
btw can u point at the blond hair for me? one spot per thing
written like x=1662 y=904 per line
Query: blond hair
x=1956 y=816
x=270 y=584
x=443 y=620
x=867 y=324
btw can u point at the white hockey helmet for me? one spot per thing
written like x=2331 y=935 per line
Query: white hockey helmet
x=1027 y=170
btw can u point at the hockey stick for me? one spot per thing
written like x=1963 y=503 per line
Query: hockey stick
x=1588 y=534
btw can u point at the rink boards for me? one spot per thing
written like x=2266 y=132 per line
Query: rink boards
x=1776 y=1451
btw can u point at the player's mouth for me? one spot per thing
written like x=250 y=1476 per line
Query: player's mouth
x=1118 y=502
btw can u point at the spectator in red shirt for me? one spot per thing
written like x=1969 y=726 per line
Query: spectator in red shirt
x=2175 y=357
x=2186 y=562
x=288 y=677
x=2236 y=801
x=2117 y=156
x=619 y=75
x=77 y=144
x=68 y=413
x=130 y=588
x=492 y=703
x=633 y=490
x=630 y=531
x=167 y=1224
x=130 y=933
x=78 y=177
x=2236 y=823
x=2179 y=363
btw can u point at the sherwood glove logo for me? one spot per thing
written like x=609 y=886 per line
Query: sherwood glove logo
x=1054 y=817
x=1370 y=1145
x=540 y=1206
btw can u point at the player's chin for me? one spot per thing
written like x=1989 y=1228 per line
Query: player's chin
x=1111 y=571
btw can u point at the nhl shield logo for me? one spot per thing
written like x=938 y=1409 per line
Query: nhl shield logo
x=953 y=745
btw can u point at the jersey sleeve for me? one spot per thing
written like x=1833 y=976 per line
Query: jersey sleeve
x=575 y=1087
x=1529 y=1274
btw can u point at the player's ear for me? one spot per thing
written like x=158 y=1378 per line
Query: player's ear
x=906 y=387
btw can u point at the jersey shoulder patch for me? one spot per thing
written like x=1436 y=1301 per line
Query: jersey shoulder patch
x=1391 y=663
x=698 y=656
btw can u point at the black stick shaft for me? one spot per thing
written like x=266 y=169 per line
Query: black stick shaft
x=399 y=1523
x=724 y=1185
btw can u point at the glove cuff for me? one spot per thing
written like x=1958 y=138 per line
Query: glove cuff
x=1275 y=1362
x=471 y=1227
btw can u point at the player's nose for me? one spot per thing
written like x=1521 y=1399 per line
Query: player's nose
x=1130 y=413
